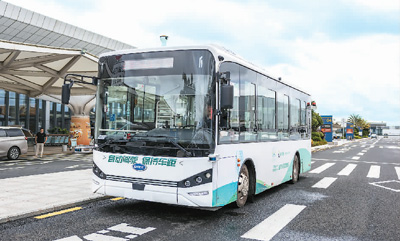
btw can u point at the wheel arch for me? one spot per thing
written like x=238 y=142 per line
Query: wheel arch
x=252 y=172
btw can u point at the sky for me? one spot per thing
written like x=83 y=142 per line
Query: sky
x=345 y=53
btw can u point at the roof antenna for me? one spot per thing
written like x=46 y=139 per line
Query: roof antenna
x=164 y=39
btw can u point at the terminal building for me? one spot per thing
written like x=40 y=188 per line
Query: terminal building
x=36 y=52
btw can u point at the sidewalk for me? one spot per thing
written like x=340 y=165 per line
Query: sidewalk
x=37 y=194
x=332 y=145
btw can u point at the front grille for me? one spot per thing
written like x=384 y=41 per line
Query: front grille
x=142 y=181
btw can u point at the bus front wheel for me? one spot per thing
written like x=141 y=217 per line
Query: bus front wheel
x=243 y=186
x=296 y=170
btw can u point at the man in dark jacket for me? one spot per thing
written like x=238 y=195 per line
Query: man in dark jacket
x=40 y=139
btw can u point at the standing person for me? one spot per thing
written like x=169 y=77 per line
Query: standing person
x=40 y=139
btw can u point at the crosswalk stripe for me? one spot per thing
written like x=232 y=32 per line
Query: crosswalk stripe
x=397 y=171
x=374 y=171
x=268 y=228
x=322 y=168
x=325 y=182
x=347 y=170
x=355 y=157
x=360 y=154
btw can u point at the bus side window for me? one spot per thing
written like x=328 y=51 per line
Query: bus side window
x=247 y=105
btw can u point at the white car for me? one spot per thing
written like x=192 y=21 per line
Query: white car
x=13 y=142
x=373 y=136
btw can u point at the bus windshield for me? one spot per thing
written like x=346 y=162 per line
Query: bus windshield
x=150 y=109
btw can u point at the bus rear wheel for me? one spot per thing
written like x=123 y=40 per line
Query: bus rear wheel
x=243 y=186
x=296 y=170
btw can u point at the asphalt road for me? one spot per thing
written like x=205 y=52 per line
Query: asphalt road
x=351 y=193
x=48 y=164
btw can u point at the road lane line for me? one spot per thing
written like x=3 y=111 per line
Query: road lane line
x=322 y=168
x=347 y=170
x=380 y=146
x=268 y=228
x=397 y=171
x=355 y=157
x=360 y=154
x=58 y=213
x=374 y=171
x=364 y=150
x=325 y=182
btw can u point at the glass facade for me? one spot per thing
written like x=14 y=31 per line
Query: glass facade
x=21 y=110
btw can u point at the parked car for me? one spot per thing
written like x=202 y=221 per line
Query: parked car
x=13 y=142
x=373 y=136
x=385 y=135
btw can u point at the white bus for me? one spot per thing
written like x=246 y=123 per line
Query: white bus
x=195 y=126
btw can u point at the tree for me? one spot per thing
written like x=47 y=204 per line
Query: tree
x=359 y=122
x=316 y=121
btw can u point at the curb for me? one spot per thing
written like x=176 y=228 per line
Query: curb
x=51 y=209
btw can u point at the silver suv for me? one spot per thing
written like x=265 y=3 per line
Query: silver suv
x=13 y=142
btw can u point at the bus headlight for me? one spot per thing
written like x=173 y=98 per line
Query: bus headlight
x=98 y=172
x=187 y=183
x=199 y=180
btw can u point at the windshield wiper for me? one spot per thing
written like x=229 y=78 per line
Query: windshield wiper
x=172 y=140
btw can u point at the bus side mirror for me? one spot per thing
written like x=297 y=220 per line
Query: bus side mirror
x=226 y=96
x=66 y=93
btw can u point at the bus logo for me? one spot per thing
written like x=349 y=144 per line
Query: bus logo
x=139 y=167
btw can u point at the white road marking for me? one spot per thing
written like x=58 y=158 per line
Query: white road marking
x=355 y=157
x=74 y=166
x=268 y=228
x=347 y=170
x=322 y=168
x=99 y=236
x=363 y=146
x=71 y=238
x=391 y=189
x=123 y=227
x=364 y=150
x=102 y=237
x=312 y=162
x=380 y=146
x=360 y=154
x=374 y=171
x=336 y=160
x=397 y=171
x=325 y=182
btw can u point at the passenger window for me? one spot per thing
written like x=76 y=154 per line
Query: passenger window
x=14 y=132
x=247 y=105
x=2 y=133
x=283 y=116
x=266 y=111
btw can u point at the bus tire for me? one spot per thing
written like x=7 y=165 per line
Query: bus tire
x=295 y=170
x=243 y=186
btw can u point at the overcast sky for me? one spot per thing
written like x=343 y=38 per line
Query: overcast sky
x=345 y=53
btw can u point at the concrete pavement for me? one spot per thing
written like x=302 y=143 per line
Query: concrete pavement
x=37 y=194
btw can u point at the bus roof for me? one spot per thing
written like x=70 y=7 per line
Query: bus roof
x=216 y=50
